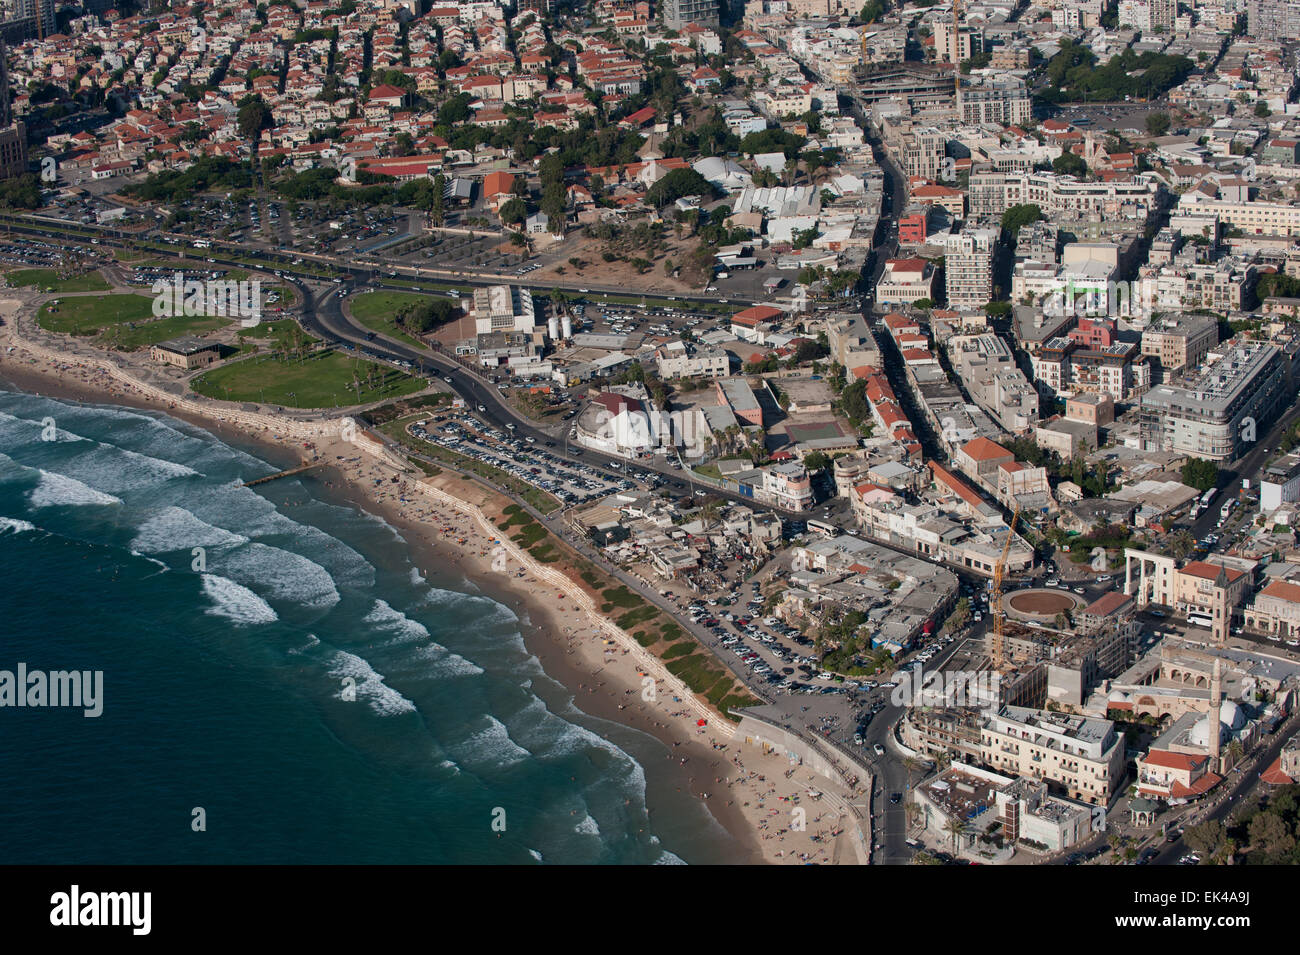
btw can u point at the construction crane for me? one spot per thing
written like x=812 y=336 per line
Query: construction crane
x=998 y=647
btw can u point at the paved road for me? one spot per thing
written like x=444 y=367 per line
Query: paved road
x=1241 y=784
x=1247 y=466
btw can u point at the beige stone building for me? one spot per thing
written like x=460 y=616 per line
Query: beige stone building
x=186 y=352
x=1082 y=755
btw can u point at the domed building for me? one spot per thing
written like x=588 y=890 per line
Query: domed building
x=1231 y=721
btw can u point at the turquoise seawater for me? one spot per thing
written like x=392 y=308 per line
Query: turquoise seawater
x=226 y=685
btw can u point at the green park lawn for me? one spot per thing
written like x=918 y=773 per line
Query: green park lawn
x=49 y=279
x=377 y=311
x=92 y=314
x=277 y=335
x=322 y=379
x=146 y=333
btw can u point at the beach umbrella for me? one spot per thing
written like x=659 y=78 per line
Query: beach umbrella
x=702 y=722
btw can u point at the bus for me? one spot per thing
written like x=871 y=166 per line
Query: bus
x=1198 y=618
x=823 y=528
x=1208 y=498
x=1227 y=509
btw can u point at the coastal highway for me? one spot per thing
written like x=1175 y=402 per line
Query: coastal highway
x=307 y=265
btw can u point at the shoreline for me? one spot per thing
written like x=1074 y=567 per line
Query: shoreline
x=575 y=645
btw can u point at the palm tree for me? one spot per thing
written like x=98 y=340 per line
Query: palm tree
x=912 y=765
x=956 y=828
x=1235 y=751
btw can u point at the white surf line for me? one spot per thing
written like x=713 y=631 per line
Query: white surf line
x=647 y=661
x=334 y=429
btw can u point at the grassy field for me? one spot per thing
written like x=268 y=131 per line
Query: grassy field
x=49 y=279
x=146 y=333
x=277 y=335
x=92 y=315
x=376 y=311
x=324 y=379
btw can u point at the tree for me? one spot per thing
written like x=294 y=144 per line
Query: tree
x=438 y=200
x=513 y=211
x=1068 y=164
x=1157 y=123
x=815 y=461
x=254 y=116
x=1262 y=110
x=675 y=185
x=872 y=11
x=455 y=111
x=1206 y=838
x=1180 y=544
x=956 y=827
x=1020 y=215
x=1200 y=474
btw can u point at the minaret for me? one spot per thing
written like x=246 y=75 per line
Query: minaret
x=1220 y=610
x=1212 y=718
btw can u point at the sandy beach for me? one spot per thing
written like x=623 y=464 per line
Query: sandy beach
x=445 y=519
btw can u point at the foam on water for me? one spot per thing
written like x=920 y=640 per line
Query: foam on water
x=491 y=745
x=281 y=574
x=153 y=560
x=312 y=642
x=588 y=827
x=174 y=528
x=384 y=618
x=235 y=602
x=15 y=526
x=667 y=858
x=59 y=490
x=57 y=434
x=444 y=662
x=368 y=685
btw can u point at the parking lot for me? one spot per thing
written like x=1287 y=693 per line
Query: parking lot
x=525 y=459
x=37 y=254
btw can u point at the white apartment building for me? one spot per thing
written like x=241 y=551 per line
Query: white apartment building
x=968 y=266
x=1081 y=755
x=503 y=308
x=682 y=360
x=992 y=193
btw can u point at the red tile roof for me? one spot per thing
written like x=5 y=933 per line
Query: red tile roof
x=982 y=449
x=1274 y=775
x=758 y=313
x=1283 y=590
x=1208 y=571
x=955 y=484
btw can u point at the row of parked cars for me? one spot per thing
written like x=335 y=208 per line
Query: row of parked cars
x=568 y=482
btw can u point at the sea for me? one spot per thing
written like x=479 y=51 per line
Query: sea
x=283 y=681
